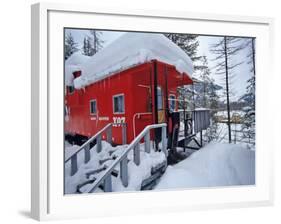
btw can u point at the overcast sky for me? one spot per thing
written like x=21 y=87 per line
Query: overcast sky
x=241 y=74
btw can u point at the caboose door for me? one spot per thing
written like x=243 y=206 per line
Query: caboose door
x=158 y=96
x=160 y=106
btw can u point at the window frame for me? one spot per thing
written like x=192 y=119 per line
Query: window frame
x=113 y=108
x=68 y=89
x=93 y=100
x=162 y=98
x=175 y=98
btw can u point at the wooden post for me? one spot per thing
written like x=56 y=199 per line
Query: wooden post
x=124 y=171
x=124 y=133
x=74 y=165
x=99 y=145
x=109 y=135
x=137 y=154
x=164 y=141
x=108 y=184
x=87 y=153
x=147 y=142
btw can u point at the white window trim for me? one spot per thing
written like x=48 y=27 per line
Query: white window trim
x=162 y=98
x=91 y=106
x=121 y=94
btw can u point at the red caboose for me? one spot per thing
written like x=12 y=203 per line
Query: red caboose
x=134 y=81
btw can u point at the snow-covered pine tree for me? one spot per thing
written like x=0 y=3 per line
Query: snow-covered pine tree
x=249 y=123
x=205 y=79
x=225 y=49
x=70 y=46
x=206 y=96
x=97 y=42
x=212 y=131
x=87 y=48
x=189 y=44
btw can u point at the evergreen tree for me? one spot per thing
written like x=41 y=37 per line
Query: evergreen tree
x=206 y=81
x=97 y=41
x=189 y=44
x=249 y=123
x=87 y=48
x=225 y=49
x=70 y=46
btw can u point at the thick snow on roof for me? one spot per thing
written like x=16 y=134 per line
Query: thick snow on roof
x=130 y=50
x=72 y=64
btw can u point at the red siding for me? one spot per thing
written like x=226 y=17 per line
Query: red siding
x=134 y=83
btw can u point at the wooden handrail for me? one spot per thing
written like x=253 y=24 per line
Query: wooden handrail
x=89 y=141
x=122 y=159
x=86 y=146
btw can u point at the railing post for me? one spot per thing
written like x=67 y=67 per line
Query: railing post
x=164 y=141
x=73 y=164
x=109 y=135
x=99 y=146
x=124 y=133
x=147 y=142
x=87 y=154
x=137 y=154
x=108 y=184
x=124 y=171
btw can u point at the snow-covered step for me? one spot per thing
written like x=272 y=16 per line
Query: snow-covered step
x=136 y=173
x=107 y=159
x=132 y=165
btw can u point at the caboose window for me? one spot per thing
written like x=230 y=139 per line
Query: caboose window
x=159 y=98
x=172 y=102
x=93 y=106
x=70 y=89
x=118 y=104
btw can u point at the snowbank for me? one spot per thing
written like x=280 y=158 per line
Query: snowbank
x=74 y=64
x=130 y=50
x=216 y=164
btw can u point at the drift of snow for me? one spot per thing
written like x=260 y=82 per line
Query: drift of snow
x=129 y=50
x=74 y=64
x=214 y=165
x=136 y=174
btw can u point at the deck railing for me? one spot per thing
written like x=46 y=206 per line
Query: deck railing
x=200 y=119
x=122 y=160
x=97 y=138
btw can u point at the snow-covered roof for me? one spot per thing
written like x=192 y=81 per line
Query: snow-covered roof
x=72 y=64
x=130 y=50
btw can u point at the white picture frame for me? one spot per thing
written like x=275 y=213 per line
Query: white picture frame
x=48 y=201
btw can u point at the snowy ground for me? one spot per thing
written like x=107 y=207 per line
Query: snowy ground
x=216 y=164
x=136 y=173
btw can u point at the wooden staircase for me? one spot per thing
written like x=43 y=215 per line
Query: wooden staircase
x=101 y=178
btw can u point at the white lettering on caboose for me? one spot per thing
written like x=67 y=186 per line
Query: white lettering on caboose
x=118 y=120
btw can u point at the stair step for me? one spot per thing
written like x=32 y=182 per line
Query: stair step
x=107 y=159
x=150 y=182
x=92 y=172
x=79 y=186
x=159 y=167
x=114 y=172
